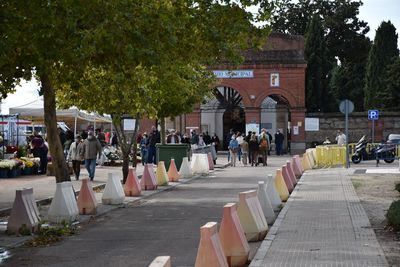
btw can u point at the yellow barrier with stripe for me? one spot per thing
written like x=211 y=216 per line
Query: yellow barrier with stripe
x=330 y=155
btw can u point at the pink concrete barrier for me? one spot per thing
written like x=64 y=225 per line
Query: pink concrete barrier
x=132 y=186
x=210 y=161
x=210 y=252
x=24 y=212
x=297 y=167
x=291 y=172
x=298 y=162
x=87 y=203
x=233 y=239
x=173 y=174
x=161 y=261
x=287 y=179
x=148 y=181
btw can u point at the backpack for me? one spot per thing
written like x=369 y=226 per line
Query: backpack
x=264 y=144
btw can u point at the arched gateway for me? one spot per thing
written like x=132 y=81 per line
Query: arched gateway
x=266 y=91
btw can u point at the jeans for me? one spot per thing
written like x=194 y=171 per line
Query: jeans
x=151 y=154
x=278 y=148
x=90 y=165
x=239 y=154
x=233 y=158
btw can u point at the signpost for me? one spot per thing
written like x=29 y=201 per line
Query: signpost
x=373 y=114
x=346 y=107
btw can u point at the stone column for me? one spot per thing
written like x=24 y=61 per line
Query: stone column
x=253 y=115
x=298 y=142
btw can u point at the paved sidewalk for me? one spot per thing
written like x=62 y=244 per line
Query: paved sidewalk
x=323 y=224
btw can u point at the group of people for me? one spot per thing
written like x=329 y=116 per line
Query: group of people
x=249 y=148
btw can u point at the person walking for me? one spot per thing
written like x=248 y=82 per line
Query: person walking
x=253 y=150
x=279 y=137
x=215 y=141
x=75 y=155
x=40 y=150
x=143 y=148
x=91 y=151
x=240 y=139
x=263 y=146
x=340 y=138
x=233 y=150
x=244 y=147
x=172 y=138
x=270 y=142
x=154 y=138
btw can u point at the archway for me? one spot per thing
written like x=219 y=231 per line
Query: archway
x=222 y=113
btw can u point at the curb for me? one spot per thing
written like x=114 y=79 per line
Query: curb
x=262 y=251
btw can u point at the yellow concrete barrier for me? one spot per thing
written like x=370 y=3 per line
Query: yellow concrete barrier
x=305 y=163
x=280 y=186
x=161 y=174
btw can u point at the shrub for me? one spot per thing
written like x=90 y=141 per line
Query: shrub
x=397 y=187
x=393 y=214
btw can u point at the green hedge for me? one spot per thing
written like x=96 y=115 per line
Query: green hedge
x=393 y=214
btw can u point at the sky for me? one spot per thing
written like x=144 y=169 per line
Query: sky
x=373 y=12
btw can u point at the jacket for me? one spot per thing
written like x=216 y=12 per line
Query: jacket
x=91 y=148
x=75 y=151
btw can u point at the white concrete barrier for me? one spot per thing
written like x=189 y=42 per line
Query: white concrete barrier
x=265 y=203
x=273 y=194
x=63 y=207
x=185 y=170
x=114 y=192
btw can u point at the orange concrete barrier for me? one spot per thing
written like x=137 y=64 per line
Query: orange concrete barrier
x=132 y=185
x=251 y=216
x=24 y=212
x=161 y=173
x=173 y=174
x=287 y=179
x=161 y=261
x=297 y=167
x=281 y=185
x=233 y=239
x=210 y=252
x=148 y=181
x=291 y=172
x=87 y=203
x=305 y=162
x=210 y=161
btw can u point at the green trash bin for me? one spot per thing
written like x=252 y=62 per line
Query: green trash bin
x=175 y=151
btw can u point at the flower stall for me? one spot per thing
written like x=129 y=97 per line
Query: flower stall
x=12 y=168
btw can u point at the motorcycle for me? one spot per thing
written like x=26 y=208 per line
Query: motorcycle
x=386 y=152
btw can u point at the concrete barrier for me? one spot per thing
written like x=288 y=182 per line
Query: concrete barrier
x=24 y=213
x=298 y=163
x=161 y=261
x=310 y=158
x=291 y=172
x=63 y=207
x=210 y=252
x=185 y=170
x=161 y=174
x=199 y=164
x=132 y=186
x=251 y=216
x=148 y=181
x=265 y=203
x=113 y=192
x=233 y=239
x=305 y=162
x=273 y=194
x=287 y=179
x=281 y=185
x=87 y=203
x=173 y=174
x=210 y=161
x=297 y=167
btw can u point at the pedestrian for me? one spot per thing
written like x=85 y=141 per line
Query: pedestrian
x=240 y=139
x=253 y=150
x=91 y=151
x=207 y=138
x=40 y=150
x=263 y=146
x=69 y=139
x=185 y=139
x=172 y=138
x=233 y=149
x=244 y=147
x=75 y=155
x=228 y=139
x=153 y=139
x=279 y=137
x=270 y=142
x=113 y=140
x=340 y=138
x=201 y=142
x=143 y=148
x=194 y=140
x=247 y=138
x=215 y=141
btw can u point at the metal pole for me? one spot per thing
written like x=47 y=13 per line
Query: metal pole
x=373 y=131
x=17 y=130
x=347 y=132
x=75 y=122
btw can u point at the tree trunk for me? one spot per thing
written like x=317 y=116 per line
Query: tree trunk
x=50 y=119
x=162 y=131
x=134 y=141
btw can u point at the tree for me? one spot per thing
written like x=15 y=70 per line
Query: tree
x=315 y=53
x=160 y=72
x=392 y=87
x=382 y=54
x=44 y=39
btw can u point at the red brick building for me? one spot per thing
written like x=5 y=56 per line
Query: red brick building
x=267 y=91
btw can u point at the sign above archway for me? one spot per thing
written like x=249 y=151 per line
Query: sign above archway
x=227 y=74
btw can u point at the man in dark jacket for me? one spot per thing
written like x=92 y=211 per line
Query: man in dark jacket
x=91 y=150
x=154 y=138
x=279 y=137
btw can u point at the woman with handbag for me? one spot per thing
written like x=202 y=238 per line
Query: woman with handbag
x=233 y=149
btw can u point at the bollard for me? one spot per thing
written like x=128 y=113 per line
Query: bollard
x=161 y=174
x=210 y=161
x=132 y=186
x=305 y=163
x=113 y=192
x=273 y=194
x=185 y=170
x=87 y=203
x=173 y=174
x=63 y=207
x=298 y=162
x=291 y=172
x=24 y=212
x=148 y=181
x=297 y=167
x=281 y=185
x=287 y=179
x=233 y=239
x=265 y=203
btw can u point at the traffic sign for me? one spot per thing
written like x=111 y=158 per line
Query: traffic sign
x=373 y=114
x=346 y=104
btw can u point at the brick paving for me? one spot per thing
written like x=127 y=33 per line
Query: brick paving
x=323 y=224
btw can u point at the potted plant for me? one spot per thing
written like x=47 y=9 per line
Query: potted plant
x=5 y=167
x=16 y=169
x=27 y=166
